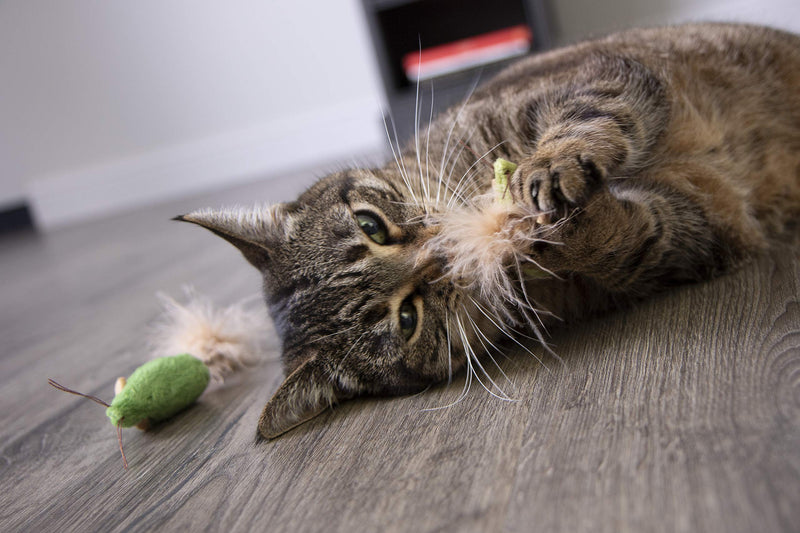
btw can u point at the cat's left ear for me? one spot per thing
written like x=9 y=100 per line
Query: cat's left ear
x=305 y=393
x=254 y=231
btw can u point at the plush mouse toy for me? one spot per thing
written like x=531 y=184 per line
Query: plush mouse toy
x=502 y=171
x=211 y=344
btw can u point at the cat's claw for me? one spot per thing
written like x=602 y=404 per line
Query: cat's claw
x=556 y=188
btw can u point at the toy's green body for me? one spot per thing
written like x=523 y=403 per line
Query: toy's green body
x=502 y=170
x=159 y=389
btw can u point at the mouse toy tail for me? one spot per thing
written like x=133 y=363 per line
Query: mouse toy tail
x=55 y=384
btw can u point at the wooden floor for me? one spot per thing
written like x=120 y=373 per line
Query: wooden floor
x=680 y=415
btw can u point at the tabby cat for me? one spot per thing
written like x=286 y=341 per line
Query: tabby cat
x=647 y=158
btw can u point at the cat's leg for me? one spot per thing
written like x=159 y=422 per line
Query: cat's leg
x=604 y=123
x=635 y=237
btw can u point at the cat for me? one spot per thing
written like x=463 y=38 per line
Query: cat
x=645 y=159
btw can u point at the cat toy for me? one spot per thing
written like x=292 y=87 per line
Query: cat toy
x=502 y=197
x=212 y=343
x=502 y=171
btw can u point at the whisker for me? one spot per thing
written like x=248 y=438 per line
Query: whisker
x=513 y=339
x=486 y=340
x=535 y=310
x=472 y=358
x=468 y=377
x=455 y=162
x=427 y=145
x=312 y=341
x=416 y=130
x=489 y=151
x=449 y=347
x=397 y=155
x=470 y=371
x=404 y=170
x=481 y=338
x=452 y=127
x=473 y=152
x=543 y=269
x=489 y=355
x=339 y=367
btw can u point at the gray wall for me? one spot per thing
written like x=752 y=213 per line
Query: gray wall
x=577 y=19
x=107 y=104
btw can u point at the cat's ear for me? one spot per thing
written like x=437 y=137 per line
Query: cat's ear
x=305 y=393
x=254 y=231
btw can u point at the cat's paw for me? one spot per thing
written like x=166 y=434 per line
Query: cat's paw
x=555 y=187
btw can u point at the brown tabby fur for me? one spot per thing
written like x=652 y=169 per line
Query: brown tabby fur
x=648 y=158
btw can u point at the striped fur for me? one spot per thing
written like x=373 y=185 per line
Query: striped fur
x=646 y=159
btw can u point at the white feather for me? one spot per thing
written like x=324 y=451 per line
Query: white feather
x=225 y=339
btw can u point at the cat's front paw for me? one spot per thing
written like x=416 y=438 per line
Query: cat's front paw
x=555 y=187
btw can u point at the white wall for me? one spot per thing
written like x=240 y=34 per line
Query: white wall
x=105 y=105
x=109 y=104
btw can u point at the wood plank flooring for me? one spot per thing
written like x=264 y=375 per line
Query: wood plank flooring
x=682 y=414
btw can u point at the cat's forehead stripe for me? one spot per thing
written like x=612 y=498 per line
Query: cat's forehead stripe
x=353 y=188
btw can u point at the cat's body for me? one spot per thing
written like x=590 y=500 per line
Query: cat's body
x=646 y=159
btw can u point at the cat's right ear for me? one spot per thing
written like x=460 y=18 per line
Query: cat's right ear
x=254 y=231
x=305 y=393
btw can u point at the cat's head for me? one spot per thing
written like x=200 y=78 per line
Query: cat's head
x=362 y=305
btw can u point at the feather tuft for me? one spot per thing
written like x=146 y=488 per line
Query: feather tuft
x=226 y=339
x=487 y=246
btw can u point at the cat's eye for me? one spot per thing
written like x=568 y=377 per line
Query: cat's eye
x=373 y=227
x=408 y=318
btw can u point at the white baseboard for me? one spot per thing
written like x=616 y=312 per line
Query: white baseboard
x=305 y=140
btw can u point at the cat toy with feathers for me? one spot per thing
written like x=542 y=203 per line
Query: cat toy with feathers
x=211 y=344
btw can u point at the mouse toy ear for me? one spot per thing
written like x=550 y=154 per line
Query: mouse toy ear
x=305 y=393
x=254 y=231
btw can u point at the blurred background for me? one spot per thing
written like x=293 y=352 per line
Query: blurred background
x=106 y=106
